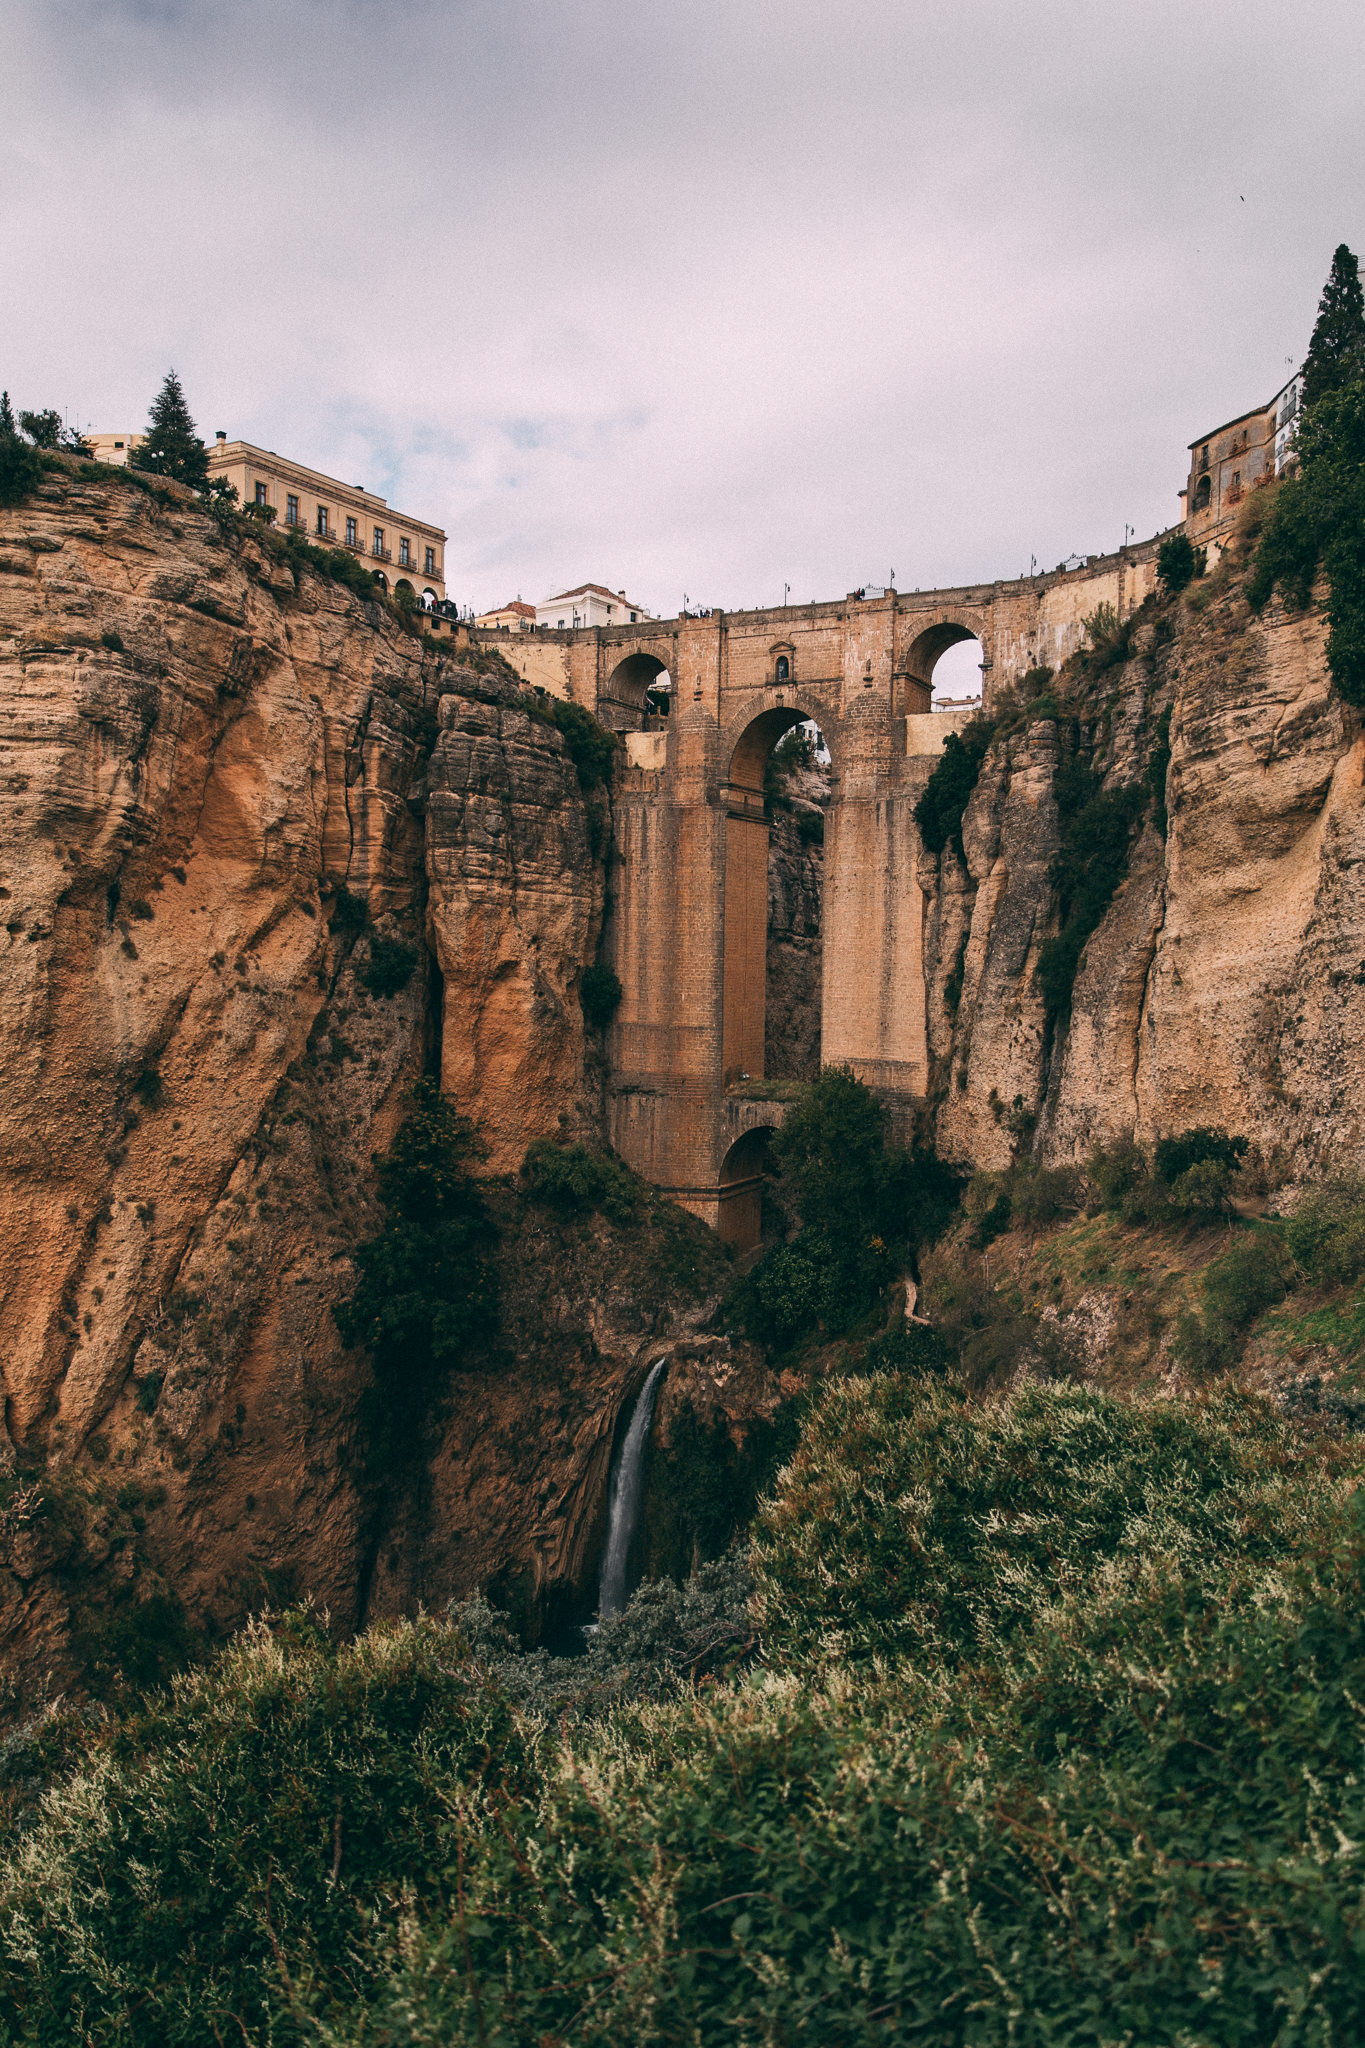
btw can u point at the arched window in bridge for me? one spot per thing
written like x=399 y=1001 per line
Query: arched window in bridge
x=784 y=669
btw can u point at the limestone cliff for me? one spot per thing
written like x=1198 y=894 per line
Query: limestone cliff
x=1226 y=984
x=263 y=852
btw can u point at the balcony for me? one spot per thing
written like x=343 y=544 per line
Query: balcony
x=378 y=554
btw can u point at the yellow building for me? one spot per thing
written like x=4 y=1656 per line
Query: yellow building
x=400 y=549
x=515 y=617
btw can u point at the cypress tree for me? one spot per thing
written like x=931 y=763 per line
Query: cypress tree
x=173 y=447
x=1338 y=342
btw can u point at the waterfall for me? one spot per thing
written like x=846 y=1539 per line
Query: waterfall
x=627 y=1477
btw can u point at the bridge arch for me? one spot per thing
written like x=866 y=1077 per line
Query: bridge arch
x=640 y=684
x=744 y=976
x=743 y=1170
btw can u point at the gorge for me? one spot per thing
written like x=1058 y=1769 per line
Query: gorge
x=268 y=857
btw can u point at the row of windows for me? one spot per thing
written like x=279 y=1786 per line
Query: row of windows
x=406 y=554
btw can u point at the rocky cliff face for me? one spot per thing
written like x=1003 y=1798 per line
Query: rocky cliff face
x=263 y=856
x=1226 y=984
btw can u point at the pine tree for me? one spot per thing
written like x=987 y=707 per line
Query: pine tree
x=1338 y=344
x=173 y=447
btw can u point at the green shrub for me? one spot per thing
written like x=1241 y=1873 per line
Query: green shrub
x=590 y=746
x=1175 y=1155
x=1326 y=1233
x=1158 y=769
x=350 y=913
x=944 y=799
x=392 y=964
x=863 y=1207
x=425 y=1294
x=600 y=994
x=810 y=827
x=1178 y=562
x=575 y=1180
x=1095 y=827
x=149 y=1088
x=113 y=641
x=912 y=1524
x=21 y=466
x=1108 y=636
x=229 y=1852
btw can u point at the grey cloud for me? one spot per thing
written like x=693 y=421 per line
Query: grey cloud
x=713 y=296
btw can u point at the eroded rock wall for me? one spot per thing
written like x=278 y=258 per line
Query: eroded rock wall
x=1226 y=984
x=225 y=787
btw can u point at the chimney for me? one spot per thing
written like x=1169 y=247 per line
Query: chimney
x=222 y=437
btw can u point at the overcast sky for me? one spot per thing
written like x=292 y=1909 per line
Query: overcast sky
x=703 y=296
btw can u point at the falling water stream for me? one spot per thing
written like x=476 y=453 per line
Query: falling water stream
x=624 y=1506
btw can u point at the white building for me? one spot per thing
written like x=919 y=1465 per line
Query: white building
x=590 y=604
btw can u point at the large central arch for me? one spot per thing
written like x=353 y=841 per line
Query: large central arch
x=745 y=968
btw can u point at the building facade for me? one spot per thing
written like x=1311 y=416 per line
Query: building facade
x=1225 y=464
x=398 y=548
x=589 y=604
x=515 y=617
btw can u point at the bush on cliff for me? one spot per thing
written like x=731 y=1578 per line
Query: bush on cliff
x=944 y=799
x=600 y=994
x=1095 y=826
x=863 y=1206
x=425 y=1296
x=576 y=1181
x=1178 y=562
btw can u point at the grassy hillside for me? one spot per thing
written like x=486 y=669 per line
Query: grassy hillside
x=1041 y=1723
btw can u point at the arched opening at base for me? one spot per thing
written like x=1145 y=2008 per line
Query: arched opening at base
x=743 y=1173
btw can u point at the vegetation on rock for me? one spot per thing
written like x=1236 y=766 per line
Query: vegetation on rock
x=424 y=1298
x=944 y=799
x=863 y=1206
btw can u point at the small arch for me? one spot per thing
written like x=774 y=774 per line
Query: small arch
x=743 y=1172
x=1203 y=491
x=380 y=578
x=403 y=584
x=638 y=689
x=783 y=673
x=962 y=677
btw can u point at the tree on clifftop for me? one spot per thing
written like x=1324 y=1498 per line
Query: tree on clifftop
x=20 y=467
x=173 y=447
x=1337 y=348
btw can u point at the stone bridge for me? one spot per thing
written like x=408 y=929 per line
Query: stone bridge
x=687 y=932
